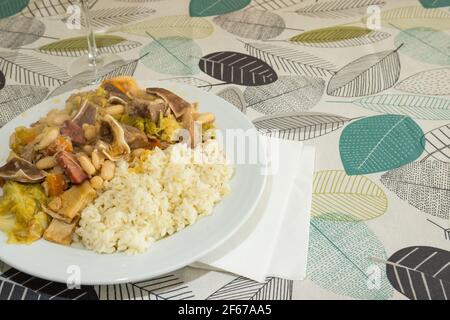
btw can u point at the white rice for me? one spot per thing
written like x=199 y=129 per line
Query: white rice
x=171 y=191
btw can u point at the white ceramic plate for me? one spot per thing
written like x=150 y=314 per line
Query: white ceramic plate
x=53 y=262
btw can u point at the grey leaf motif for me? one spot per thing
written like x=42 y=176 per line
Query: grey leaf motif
x=430 y=82
x=299 y=126
x=290 y=60
x=420 y=272
x=335 y=9
x=234 y=95
x=192 y=81
x=113 y=69
x=366 y=75
x=288 y=94
x=16 y=285
x=108 y=17
x=18 y=31
x=242 y=288
x=437 y=143
x=271 y=5
x=15 y=99
x=252 y=24
x=167 y=287
x=424 y=185
x=27 y=69
x=419 y=107
x=237 y=68
x=50 y=8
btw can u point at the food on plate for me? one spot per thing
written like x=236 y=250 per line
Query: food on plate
x=115 y=170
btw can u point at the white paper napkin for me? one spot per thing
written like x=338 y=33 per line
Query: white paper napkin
x=274 y=241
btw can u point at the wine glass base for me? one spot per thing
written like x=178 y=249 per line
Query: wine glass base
x=83 y=64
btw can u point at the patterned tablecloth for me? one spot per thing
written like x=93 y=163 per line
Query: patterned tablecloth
x=365 y=81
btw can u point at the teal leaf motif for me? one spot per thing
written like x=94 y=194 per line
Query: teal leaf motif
x=340 y=259
x=418 y=107
x=425 y=44
x=434 y=3
x=172 y=55
x=11 y=7
x=380 y=143
x=206 y=8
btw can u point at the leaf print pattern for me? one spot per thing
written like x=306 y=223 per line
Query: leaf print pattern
x=420 y=273
x=437 y=143
x=289 y=60
x=234 y=95
x=434 y=3
x=429 y=82
x=339 y=197
x=19 y=31
x=423 y=184
x=299 y=126
x=15 y=99
x=245 y=289
x=27 y=69
x=379 y=143
x=339 y=8
x=196 y=82
x=50 y=8
x=414 y=16
x=172 y=55
x=283 y=95
x=338 y=37
x=418 y=107
x=107 y=17
x=2 y=80
x=11 y=7
x=205 y=8
x=75 y=47
x=425 y=44
x=271 y=5
x=170 y=26
x=237 y=68
x=339 y=258
x=252 y=24
x=367 y=75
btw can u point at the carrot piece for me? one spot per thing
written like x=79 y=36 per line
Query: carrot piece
x=60 y=144
x=55 y=184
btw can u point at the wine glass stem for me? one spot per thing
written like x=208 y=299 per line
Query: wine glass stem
x=92 y=47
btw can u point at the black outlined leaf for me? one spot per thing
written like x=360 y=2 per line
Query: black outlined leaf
x=252 y=24
x=437 y=143
x=420 y=272
x=237 y=68
x=423 y=184
x=367 y=75
x=271 y=5
x=335 y=9
x=21 y=286
x=288 y=94
x=299 y=126
x=27 y=69
x=234 y=95
x=290 y=60
x=192 y=81
x=15 y=99
x=18 y=31
x=78 y=46
x=245 y=289
x=167 y=287
x=50 y=8
x=170 y=26
x=108 y=17
x=113 y=69
x=430 y=82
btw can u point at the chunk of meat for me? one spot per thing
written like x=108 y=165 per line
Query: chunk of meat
x=21 y=170
x=177 y=104
x=61 y=232
x=71 y=167
x=146 y=108
x=74 y=132
x=86 y=115
x=135 y=137
x=73 y=201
